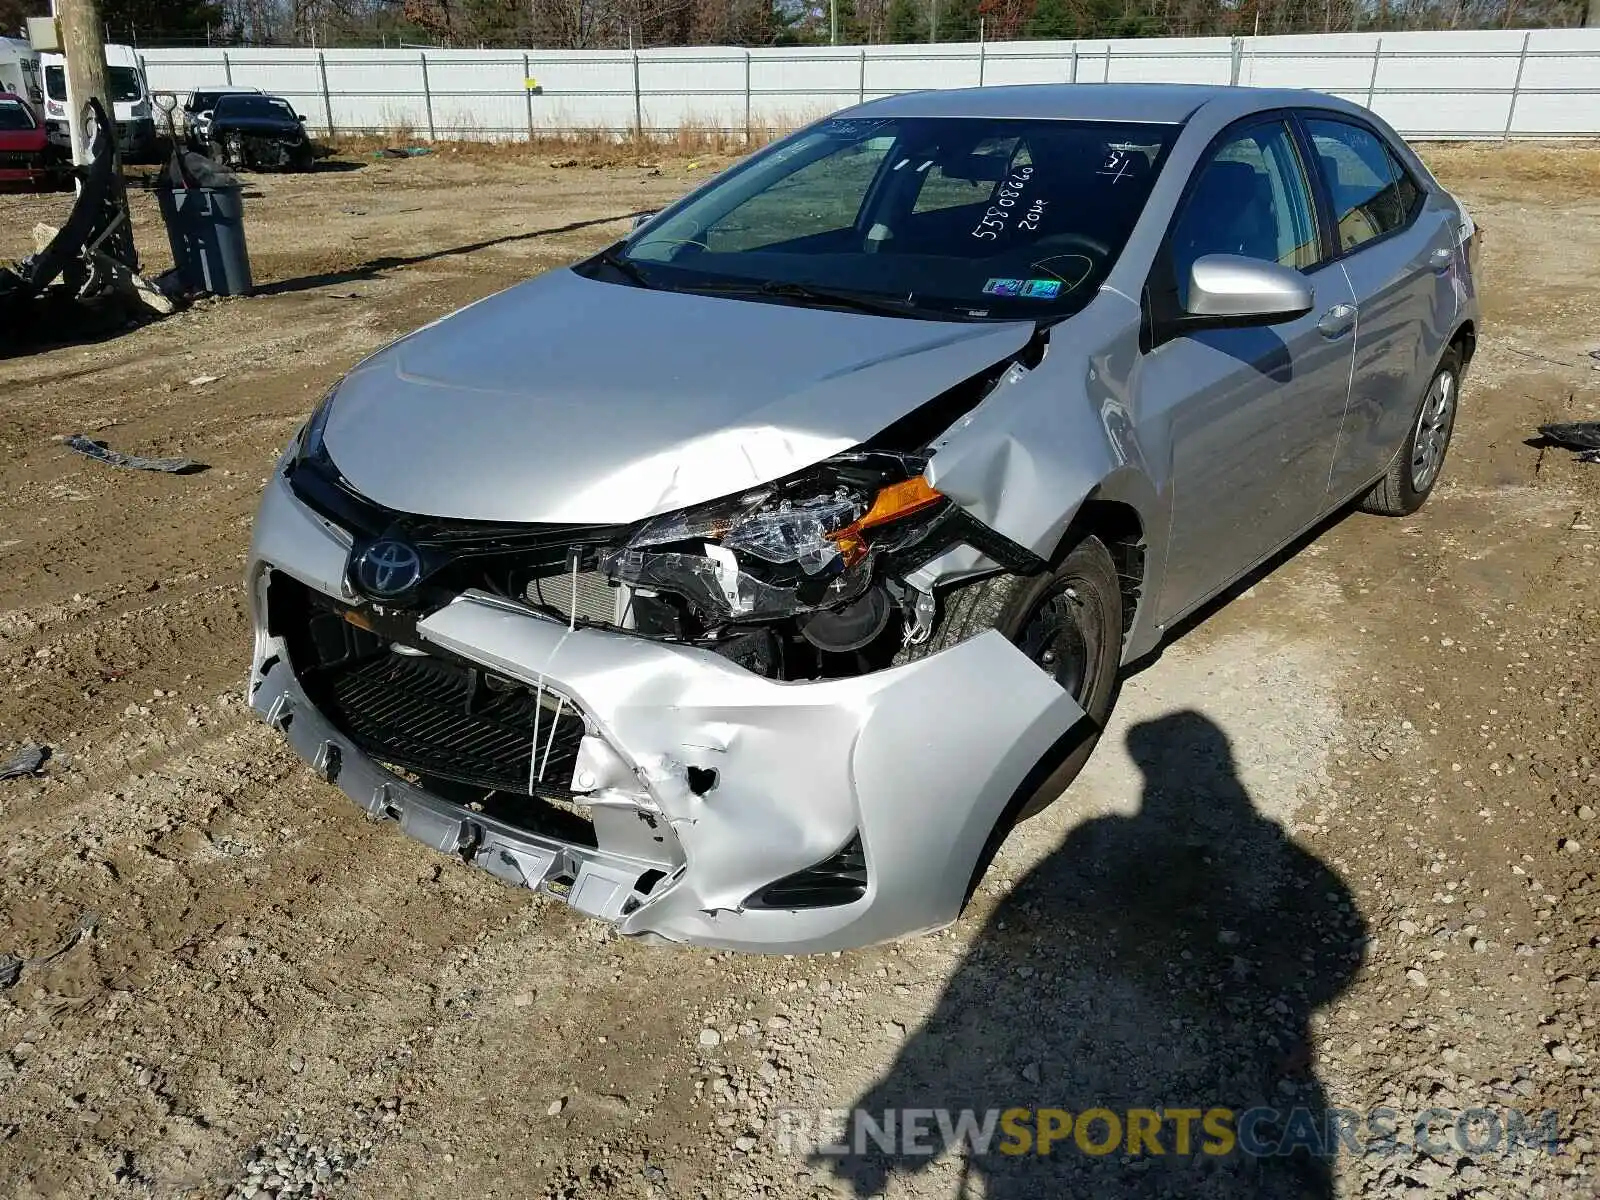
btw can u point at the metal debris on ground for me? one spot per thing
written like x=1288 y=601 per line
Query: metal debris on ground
x=133 y=462
x=11 y=965
x=402 y=152
x=26 y=761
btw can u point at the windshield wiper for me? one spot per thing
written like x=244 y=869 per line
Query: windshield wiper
x=880 y=305
x=617 y=262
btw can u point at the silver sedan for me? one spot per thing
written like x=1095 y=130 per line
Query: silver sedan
x=744 y=584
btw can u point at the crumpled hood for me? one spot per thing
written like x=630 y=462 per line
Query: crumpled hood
x=575 y=401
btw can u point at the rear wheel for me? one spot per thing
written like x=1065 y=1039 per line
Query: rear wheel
x=1069 y=622
x=1415 y=471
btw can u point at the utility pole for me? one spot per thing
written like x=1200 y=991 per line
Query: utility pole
x=833 y=22
x=933 y=21
x=83 y=43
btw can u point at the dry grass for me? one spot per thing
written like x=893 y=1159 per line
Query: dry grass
x=578 y=147
x=1562 y=166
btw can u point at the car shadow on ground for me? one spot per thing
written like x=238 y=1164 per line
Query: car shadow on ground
x=376 y=266
x=1169 y=960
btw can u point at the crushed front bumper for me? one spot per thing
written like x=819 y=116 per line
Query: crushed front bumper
x=705 y=783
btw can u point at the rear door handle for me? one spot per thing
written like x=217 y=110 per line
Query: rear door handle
x=1337 y=321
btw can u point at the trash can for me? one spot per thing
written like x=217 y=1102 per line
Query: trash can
x=205 y=228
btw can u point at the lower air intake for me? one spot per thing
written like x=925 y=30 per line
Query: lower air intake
x=838 y=879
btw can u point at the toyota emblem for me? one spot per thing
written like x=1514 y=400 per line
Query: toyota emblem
x=388 y=569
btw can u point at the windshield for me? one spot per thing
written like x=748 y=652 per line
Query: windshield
x=963 y=216
x=254 y=106
x=14 y=115
x=122 y=82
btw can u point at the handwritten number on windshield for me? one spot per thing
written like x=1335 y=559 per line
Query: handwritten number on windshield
x=993 y=222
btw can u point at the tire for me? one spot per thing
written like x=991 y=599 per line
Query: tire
x=1078 y=637
x=1416 y=469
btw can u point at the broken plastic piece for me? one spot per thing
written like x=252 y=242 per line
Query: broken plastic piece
x=1579 y=435
x=26 y=761
x=133 y=462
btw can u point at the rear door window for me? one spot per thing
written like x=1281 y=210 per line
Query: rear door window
x=1372 y=192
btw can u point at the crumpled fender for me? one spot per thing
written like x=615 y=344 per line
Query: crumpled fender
x=1046 y=439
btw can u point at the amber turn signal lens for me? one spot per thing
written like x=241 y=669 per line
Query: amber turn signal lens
x=899 y=500
x=891 y=503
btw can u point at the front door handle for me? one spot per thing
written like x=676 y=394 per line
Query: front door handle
x=1337 y=321
x=1440 y=259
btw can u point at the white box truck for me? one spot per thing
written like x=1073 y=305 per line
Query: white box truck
x=130 y=97
x=19 y=73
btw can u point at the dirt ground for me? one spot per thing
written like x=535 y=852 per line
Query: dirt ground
x=274 y=993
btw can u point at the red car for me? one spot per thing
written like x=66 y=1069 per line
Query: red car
x=24 y=148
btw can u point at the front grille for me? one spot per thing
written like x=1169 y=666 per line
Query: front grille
x=453 y=722
x=439 y=717
x=524 y=561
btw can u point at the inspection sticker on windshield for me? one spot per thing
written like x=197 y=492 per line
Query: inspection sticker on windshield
x=1003 y=287
x=1042 y=289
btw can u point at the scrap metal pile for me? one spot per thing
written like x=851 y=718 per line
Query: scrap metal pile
x=92 y=254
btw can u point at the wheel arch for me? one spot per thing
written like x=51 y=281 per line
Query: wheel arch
x=1125 y=512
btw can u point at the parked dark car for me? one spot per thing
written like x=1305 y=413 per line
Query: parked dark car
x=24 y=147
x=261 y=133
x=202 y=102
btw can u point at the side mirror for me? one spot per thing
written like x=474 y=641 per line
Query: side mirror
x=1231 y=290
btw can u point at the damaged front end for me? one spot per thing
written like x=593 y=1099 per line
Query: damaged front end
x=702 y=726
x=256 y=150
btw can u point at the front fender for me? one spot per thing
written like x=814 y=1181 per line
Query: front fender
x=1047 y=440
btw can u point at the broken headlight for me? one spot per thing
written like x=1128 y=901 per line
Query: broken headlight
x=775 y=527
x=776 y=551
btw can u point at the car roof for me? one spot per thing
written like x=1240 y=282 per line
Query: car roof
x=1150 y=103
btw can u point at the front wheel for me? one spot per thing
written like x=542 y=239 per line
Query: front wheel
x=1415 y=470
x=1069 y=622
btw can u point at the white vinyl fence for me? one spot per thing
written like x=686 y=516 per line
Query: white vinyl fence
x=1448 y=84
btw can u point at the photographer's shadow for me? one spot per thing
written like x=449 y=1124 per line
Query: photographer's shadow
x=1169 y=960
